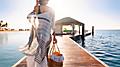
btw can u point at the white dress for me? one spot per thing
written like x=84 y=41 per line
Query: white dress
x=32 y=63
x=40 y=24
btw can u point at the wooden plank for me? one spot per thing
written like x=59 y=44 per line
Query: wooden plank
x=77 y=56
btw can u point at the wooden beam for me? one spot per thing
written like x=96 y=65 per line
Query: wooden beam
x=83 y=33
x=92 y=30
x=79 y=29
x=73 y=29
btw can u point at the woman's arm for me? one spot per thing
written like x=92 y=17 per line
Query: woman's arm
x=53 y=27
x=54 y=38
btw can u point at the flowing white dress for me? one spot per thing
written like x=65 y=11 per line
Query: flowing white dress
x=41 y=31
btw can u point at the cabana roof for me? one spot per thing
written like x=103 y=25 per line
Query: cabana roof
x=68 y=21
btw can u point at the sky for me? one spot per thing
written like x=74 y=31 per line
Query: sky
x=103 y=14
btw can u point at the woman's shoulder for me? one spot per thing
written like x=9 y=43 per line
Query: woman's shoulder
x=50 y=9
x=48 y=12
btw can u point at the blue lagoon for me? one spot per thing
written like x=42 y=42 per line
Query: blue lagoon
x=9 y=44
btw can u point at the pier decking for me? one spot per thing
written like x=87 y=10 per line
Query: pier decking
x=74 y=55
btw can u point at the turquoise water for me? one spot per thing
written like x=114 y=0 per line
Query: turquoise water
x=9 y=44
x=106 y=46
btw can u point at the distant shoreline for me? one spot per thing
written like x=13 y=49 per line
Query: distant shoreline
x=13 y=31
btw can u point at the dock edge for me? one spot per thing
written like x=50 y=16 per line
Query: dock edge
x=19 y=61
x=90 y=53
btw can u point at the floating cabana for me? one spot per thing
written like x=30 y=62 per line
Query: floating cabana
x=66 y=22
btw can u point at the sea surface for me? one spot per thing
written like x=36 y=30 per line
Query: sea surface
x=105 y=45
x=9 y=45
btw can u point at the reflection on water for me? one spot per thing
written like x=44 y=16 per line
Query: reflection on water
x=3 y=38
x=9 y=44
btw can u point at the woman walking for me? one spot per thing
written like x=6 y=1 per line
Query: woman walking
x=43 y=22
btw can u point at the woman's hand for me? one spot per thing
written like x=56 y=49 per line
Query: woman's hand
x=54 y=38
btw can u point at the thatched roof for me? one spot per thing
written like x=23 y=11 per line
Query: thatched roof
x=68 y=21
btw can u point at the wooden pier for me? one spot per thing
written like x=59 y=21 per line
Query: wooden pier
x=74 y=55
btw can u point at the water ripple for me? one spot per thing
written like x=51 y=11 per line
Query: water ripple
x=106 y=46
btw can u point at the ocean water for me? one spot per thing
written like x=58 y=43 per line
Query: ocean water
x=105 y=45
x=9 y=44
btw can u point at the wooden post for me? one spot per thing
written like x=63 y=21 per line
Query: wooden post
x=83 y=33
x=92 y=30
x=73 y=27
x=61 y=29
x=79 y=29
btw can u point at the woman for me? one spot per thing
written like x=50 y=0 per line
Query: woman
x=41 y=30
